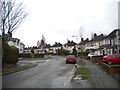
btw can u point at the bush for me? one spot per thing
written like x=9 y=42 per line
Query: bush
x=10 y=54
x=28 y=55
x=37 y=55
x=63 y=52
x=25 y=55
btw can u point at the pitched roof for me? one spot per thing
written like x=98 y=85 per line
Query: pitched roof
x=70 y=43
x=22 y=44
x=57 y=44
x=83 y=42
x=47 y=46
x=14 y=39
x=112 y=34
x=97 y=38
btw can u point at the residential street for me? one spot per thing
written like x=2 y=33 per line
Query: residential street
x=51 y=74
x=56 y=74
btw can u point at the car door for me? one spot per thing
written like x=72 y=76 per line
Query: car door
x=118 y=58
x=113 y=58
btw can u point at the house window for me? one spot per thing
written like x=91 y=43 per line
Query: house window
x=92 y=44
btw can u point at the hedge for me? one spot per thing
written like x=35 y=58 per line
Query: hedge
x=10 y=54
x=25 y=55
x=28 y=55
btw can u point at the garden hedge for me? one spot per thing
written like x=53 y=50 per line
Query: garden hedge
x=10 y=54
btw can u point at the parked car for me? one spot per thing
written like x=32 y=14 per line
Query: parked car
x=92 y=54
x=112 y=59
x=71 y=59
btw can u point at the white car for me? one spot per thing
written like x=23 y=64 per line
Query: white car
x=92 y=54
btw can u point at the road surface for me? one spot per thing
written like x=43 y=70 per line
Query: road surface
x=51 y=74
x=55 y=73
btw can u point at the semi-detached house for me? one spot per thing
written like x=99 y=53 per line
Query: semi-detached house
x=17 y=43
x=94 y=43
x=110 y=44
x=103 y=45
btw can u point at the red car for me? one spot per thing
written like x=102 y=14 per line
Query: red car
x=112 y=59
x=71 y=58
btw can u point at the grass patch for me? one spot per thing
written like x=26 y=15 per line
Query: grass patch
x=49 y=57
x=14 y=69
x=84 y=72
x=80 y=62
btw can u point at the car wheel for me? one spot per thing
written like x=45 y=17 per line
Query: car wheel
x=109 y=62
x=66 y=62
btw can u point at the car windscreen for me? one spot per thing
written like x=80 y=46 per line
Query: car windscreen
x=71 y=56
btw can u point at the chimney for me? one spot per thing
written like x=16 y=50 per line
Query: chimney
x=95 y=35
x=87 y=39
x=82 y=39
x=102 y=35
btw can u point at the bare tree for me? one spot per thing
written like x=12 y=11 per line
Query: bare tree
x=81 y=32
x=12 y=14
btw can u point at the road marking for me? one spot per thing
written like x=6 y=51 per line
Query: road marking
x=68 y=77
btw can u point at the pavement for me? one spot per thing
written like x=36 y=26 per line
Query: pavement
x=98 y=78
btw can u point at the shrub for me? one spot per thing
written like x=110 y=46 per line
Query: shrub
x=38 y=55
x=10 y=54
x=25 y=55
x=63 y=52
x=28 y=55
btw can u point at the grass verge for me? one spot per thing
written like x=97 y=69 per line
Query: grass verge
x=80 y=62
x=49 y=57
x=83 y=72
x=15 y=69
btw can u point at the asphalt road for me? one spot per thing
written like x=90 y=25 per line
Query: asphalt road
x=55 y=73
x=51 y=74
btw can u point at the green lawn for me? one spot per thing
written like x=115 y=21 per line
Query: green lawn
x=84 y=72
x=80 y=61
x=14 y=69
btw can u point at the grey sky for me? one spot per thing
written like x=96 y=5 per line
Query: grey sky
x=59 y=20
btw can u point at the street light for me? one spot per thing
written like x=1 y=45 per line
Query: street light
x=117 y=36
x=77 y=42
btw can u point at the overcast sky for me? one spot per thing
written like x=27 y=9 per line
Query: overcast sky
x=59 y=20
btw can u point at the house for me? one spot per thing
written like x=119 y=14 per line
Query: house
x=69 y=46
x=56 y=47
x=47 y=48
x=111 y=43
x=94 y=43
x=81 y=45
x=17 y=43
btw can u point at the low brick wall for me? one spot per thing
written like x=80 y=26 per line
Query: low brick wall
x=97 y=59
x=112 y=69
x=85 y=57
x=8 y=65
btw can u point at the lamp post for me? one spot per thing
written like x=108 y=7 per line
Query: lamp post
x=77 y=42
x=117 y=36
